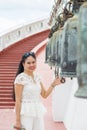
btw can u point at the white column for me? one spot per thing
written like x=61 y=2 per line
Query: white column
x=79 y=121
x=71 y=106
x=76 y=114
x=60 y=99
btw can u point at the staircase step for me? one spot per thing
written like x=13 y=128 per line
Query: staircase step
x=6 y=70
x=9 y=62
x=6 y=84
x=6 y=88
x=6 y=81
x=6 y=107
x=7 y=103
x=5 y=91
x=8 y=67
x=16 y=60
x=7 y=75
x=11 y=56
x=6 y=95
x=11 y=72
x=6 y=100
x=7 y=78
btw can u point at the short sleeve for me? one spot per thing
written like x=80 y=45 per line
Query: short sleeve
x=20 y=79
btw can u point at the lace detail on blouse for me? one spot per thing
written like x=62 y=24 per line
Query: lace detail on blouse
x=23 y=78
x=31 y=104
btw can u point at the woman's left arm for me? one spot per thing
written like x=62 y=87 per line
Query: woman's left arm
x=46 y=93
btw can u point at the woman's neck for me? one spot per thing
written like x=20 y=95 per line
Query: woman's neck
x=29 y=73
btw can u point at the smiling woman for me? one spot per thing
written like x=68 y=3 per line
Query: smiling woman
x=28 y=89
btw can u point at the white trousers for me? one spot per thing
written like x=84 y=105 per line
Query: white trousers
x=32 y=123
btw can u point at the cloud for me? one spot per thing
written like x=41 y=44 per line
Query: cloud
x=29 y=4
x=6 y=24
x=13 y=12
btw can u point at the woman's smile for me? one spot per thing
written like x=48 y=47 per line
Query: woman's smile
x=31 y=67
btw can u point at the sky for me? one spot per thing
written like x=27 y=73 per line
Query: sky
x=14 y=12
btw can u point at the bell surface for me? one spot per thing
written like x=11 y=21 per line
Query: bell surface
x=48 y=51
x=82 y=52
x=69 y=48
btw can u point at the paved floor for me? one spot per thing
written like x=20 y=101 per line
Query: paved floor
x=7 y=116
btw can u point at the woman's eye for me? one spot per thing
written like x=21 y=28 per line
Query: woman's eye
x=33 y=62
x=28 y=63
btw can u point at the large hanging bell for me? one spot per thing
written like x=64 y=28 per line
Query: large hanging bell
x=58 y=47
x=51 y=51
x=69 y=48
x=82 y=52
x=77 y=4
x=48 y=50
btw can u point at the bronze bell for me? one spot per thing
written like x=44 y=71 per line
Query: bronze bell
x=54 y=29
x=69 y=48
x=82 y=53
x=50 y=51
x=58 y=46
x=77 y=4
x=55 y=48
x=57 y=51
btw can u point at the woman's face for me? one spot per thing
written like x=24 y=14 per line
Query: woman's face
x=30 y=64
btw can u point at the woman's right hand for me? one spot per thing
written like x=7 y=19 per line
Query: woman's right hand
x=56 y=81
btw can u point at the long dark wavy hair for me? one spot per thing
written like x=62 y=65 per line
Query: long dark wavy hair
x=21 y=68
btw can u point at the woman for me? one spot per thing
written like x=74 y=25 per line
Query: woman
x=28 y=88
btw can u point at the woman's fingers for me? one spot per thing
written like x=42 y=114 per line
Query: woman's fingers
x=17 y=128
x=57 y=81
x=62 y=80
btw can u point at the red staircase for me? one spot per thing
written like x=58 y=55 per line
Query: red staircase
x=9 y=59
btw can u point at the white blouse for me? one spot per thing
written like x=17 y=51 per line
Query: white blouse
x=31 y=104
